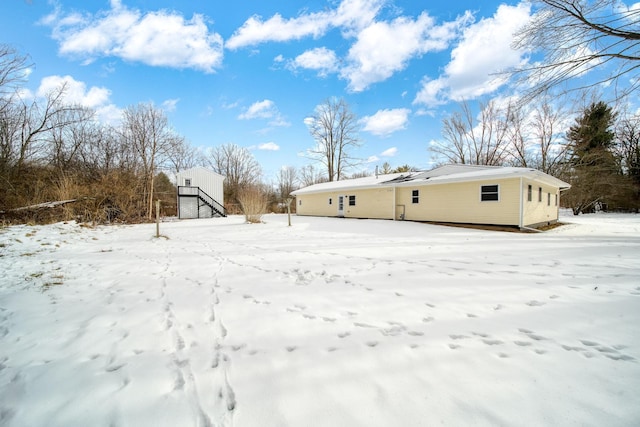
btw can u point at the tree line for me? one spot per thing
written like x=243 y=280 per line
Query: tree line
x=53 y=150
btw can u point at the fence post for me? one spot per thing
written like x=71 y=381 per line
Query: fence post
x=157 y=218
x=289 y=200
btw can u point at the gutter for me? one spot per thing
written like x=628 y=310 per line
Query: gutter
x=520 y=220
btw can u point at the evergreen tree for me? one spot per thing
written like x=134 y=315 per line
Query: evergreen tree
x=595 y=171
x=592 y=138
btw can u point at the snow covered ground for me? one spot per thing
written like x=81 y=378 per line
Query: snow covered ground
x=330 y=322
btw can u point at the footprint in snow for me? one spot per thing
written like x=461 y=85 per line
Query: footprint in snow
x=534 y=303
x=457 y=337
x=428 y=319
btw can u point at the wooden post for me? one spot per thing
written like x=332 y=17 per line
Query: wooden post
x=289 y=200
x=157 y=218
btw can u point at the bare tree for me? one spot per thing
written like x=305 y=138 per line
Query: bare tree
x=547 y=127
x=12 y=67
x=287 y=181
x=237 y=164
x=28 y=126
x=310 y=175
x=67 y=142
x=185 y=156
x=334 y=128
x=147 y=130
x=481 y=141
x=578 y=36
x=628 y=145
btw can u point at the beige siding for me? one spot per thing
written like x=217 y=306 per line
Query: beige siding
x=538 y=212
x=317 y=204
x=371 y=203
x=450 y=202
x=460 y=202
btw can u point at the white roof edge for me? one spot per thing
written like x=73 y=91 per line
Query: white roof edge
x=456 y=173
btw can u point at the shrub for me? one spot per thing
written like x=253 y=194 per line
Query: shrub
x=253 y=202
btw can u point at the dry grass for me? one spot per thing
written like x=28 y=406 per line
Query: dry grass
x=254 y=204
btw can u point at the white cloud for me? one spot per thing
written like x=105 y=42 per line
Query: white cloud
x=372 y=159
x=76 y=92
x=255 y=30
x=170 y=105
x=269 y=146
x=265 y=109
x=390 y=152
x=160 y=38
x=384 y=48
x=349 y=14
x=485 y=49
x=260 y=110
x=320 y=59
x=385 y=122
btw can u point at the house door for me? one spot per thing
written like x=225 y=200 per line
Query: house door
x=340 y=205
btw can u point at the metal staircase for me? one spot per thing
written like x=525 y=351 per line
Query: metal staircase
x=204 y=201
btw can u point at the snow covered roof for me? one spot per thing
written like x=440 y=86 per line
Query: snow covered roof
x=440 y=175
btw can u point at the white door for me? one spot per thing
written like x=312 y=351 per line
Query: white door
x=340 y=205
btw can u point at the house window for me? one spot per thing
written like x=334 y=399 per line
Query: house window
x=529 y=193
x=415 y=196
x=187 y=182
x=489 y=193
x=300 y=202
x=548 y=199
x=352 y=200
x=556 y=200
x=330 y=201
x=539 y=194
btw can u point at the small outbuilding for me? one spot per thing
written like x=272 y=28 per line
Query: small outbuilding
x=200 y=193
x=464 y=194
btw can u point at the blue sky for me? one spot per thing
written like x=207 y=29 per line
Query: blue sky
x=250 y=72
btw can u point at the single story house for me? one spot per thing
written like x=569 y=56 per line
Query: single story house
x=200 y=193
x=466 y=194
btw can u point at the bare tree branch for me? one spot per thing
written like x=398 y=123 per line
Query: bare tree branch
x=579 y=36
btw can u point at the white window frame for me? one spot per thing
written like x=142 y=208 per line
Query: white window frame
x=415 y=197
x=497 y=192
x=350 y=199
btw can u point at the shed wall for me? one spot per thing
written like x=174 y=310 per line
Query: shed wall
x=209 y=181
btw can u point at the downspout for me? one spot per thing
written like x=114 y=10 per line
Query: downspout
x=393 y=205
x=521 y=220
